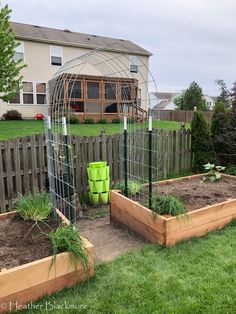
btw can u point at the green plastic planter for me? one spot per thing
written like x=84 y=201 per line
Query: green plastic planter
x=102 y=173
x=104 y=197
x=95 y=198
x=98 y=186
x=106 y=185
x=97 y=164
x=91 y=186
x=93 y=174
x=99 y=182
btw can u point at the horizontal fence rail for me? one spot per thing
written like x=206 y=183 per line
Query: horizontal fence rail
x=23 y=161
x=180 y=115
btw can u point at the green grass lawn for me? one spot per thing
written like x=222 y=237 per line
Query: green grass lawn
x=13 y=129
x=198 y=276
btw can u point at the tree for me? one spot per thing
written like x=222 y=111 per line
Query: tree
x=201 y=142
x=219 y=121
x=179 y=100
x=224 y=92
x=10 y=77
x=193 y=97
x=233 y=91
x=190 y=98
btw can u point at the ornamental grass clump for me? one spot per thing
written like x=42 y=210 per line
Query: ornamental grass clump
x=67 y=239
x=34 y=206
x=167 y=205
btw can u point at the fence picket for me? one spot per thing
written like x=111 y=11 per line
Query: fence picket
x=23 y=162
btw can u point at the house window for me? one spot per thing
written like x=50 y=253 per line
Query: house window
x=133 y=64
x=126 y=91
x=110 y=91
x=56 y=55
x=93 y=90
x=16 y=99
x=19 y=52
x=28 y=93
x=77 y=106
x=93 y=107
x=110 y=107
x=139 y=97
x=74 y=89
x=41 y=93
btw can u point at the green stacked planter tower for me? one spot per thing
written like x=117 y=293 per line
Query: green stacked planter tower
x=99 y=182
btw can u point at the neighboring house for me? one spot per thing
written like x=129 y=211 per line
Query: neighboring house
x=45 y=49
x=165 y=101
x=210 y=100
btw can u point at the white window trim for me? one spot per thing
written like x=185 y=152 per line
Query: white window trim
x=22 y=92
x=50 y=61
x=23 y=49
x=35 y=92
x=34 y=95
x=132 y=63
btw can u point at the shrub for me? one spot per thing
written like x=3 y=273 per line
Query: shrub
x=216 y=122
x=116 y=120
x=89 y=121
x=201 y=142
x=73 y=119
x=12 y=115
x=34 y=206
x=103 y=121
x=224 y=135
x=167 y=205
x=231 y=170
x=67 y=238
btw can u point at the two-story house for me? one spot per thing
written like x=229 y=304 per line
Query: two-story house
x=45 y=50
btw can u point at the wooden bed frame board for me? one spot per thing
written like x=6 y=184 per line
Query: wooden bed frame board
x=168 y=230
x=23 y=284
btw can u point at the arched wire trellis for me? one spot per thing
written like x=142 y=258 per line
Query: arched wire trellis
x=112 y=64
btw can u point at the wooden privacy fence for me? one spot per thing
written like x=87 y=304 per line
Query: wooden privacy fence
x=179 y=115
x=23 y=161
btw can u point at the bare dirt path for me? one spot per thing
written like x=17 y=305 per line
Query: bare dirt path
x=109 y=241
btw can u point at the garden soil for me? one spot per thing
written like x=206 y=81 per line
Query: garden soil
x=196 y=194
x=21 y=242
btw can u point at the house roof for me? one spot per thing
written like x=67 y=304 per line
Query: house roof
x=165 y=95
x=68 y=38
x=161 y=105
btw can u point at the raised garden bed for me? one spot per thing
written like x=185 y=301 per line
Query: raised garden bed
x=19 y=285
x=210 y=206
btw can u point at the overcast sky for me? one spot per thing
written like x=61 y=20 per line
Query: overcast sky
x=190 y=39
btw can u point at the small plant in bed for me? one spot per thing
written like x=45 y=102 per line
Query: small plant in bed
x=134 y=187
x=67 y=239
x=167 y=205
x=213 y=172
x=34 y=206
